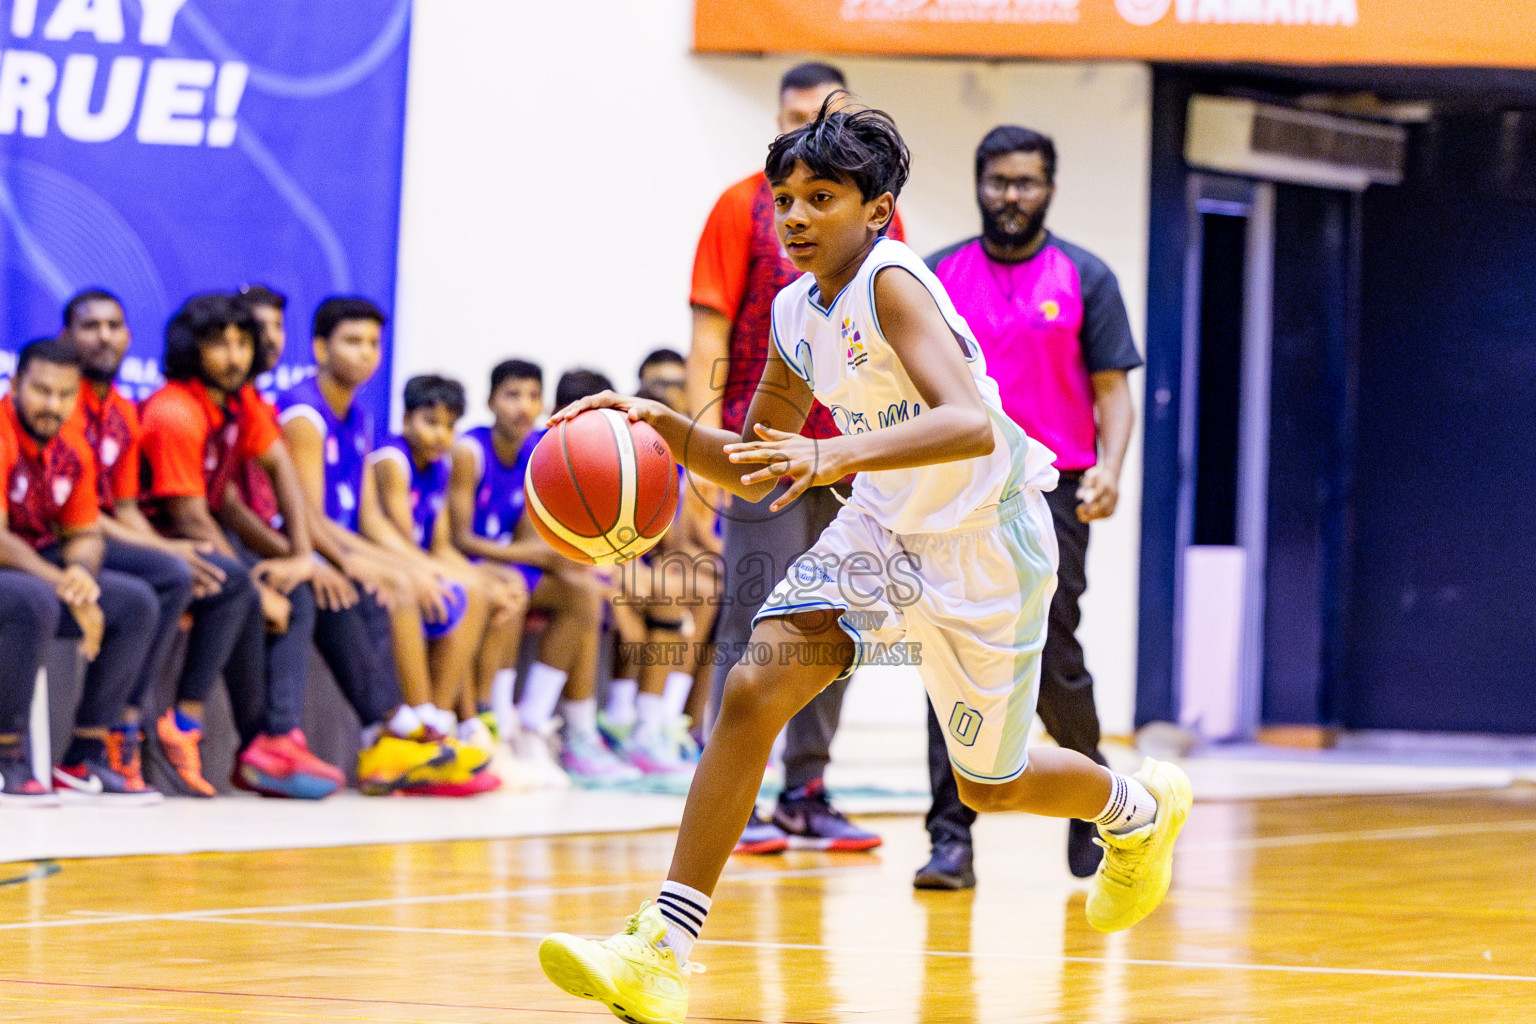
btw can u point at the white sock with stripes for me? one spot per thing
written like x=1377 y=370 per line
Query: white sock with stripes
x=1130 y=805
x=684 y=910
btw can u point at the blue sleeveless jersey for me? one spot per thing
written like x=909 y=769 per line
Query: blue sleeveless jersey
x=499 y=497
x=345 y=444
x=429 y=487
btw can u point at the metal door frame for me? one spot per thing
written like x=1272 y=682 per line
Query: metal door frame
x=1254 y=201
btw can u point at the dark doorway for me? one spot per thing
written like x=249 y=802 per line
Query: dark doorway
x=1444 y=579
x=1219 y=391
x=1400 y=527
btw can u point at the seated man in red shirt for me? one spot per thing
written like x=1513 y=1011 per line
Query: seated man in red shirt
x=50 y=559
x=183 y=573
x=196 y=429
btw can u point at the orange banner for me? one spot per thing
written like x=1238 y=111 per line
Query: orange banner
x=1486 y=33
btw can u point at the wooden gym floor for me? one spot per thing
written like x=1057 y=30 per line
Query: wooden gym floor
x=1360 y=909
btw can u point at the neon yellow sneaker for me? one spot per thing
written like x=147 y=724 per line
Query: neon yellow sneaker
x=631 y=974
x=1138 y=866
x=467 y=758
x=393 y=763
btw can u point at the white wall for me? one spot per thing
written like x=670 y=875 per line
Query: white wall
x=561 y=160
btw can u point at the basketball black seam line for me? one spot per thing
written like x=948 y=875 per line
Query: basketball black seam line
x=673 y=485
x=570 y=466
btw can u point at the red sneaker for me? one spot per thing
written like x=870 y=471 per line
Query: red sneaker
x=274 y=766
x=306 y=761
x=480 y=782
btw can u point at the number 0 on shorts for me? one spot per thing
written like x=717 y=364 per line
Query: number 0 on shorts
x=964 y=723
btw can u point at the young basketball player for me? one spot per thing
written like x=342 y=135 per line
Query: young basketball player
x=946 y=542
x=410 y=478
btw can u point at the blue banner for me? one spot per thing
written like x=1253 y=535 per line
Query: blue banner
x=158 y=148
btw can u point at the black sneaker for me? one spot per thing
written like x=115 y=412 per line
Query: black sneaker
x=812 y=823
x=948 y=868
x=95 y=782
x=1083 y=854
x=761 y=837
x=19 y=788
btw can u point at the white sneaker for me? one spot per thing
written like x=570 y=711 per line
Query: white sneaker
x=589 y=761
x=473 y=732
x=656 y=753
x=536 y=759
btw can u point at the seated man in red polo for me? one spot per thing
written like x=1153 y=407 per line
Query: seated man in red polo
x=51 y=550
x=195 y=431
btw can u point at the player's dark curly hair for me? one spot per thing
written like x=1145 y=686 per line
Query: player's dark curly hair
x=861 y=147
x=199 y=319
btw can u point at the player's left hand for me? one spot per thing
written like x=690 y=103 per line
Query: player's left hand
x=636 y=409
x=1097 y=494
x=806 y=462
x=284 y=574
x=333 y=591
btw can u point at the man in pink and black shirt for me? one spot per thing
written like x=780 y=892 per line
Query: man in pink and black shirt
x=1052 y=325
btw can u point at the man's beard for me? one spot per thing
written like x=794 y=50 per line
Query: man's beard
x=995 y=233
x=211 y=382
x=32 y=432
x=96 y=375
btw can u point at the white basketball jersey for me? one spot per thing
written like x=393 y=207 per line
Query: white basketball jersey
x=839 y=350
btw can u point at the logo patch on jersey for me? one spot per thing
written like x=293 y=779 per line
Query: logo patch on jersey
x=110 y=450
x=62 y=488
x=848 y=421
x=332 y=451
x=345 y=498
x=1050 y=309
x=19 y=488
x=853 y=344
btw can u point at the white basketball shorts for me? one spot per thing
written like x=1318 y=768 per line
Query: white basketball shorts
x=967 y=607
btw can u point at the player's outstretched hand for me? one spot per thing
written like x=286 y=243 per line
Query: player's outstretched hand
x=1097 y=495
x=800 y=458
x=637 y=408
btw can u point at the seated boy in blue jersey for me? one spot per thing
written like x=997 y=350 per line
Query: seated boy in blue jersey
x=485 y=509
x=695 y=535
x=329 y=435
x=665 y=608
x=946 y=542
x=409 y=473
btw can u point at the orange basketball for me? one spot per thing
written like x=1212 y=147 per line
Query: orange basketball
x=602 y=490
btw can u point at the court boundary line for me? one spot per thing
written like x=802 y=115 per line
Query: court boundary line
x=153 y=990
x=531 y=892
x=1197 y=965
x=1404 y=832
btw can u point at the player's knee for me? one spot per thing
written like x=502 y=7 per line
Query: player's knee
x=749 y=692
x=475 y=590
x=589 y=599
x=984 y=797
x=398 y=583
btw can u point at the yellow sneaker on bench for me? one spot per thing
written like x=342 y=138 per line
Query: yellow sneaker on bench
x=631 y=974
x=1138 y=866
x=392 y=763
